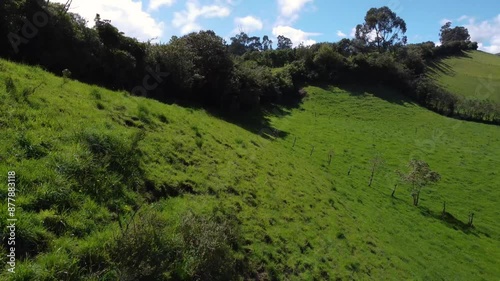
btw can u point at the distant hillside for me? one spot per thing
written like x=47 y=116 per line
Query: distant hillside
x=288 y=200
x=476 y=75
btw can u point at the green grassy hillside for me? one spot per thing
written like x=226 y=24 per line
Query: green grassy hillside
x=85 y=157
x=476 y=75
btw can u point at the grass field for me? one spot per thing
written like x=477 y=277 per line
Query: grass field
x=301 y=217
x=475 y=75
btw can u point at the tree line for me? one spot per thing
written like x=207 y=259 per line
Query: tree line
x=246 y=72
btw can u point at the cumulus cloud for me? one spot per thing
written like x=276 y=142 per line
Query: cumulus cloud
x=247 y=24
x=371 y=36
x=296 y=35
x=126 y=15
x=155 y=4
x=290 y=9
x=186 y=20
x=486 y=33
x=341 y=34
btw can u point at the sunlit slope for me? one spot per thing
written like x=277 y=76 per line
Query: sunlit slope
x=475 y=75
x=302 y=217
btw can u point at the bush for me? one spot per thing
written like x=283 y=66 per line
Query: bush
x=208 y=247
x=328 y=62
x=144 y=249
x=251 y=83
x=201 y=247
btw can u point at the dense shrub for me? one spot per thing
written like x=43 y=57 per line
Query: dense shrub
x=200 y=247
x=328 y=62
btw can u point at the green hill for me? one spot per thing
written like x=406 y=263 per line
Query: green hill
x=476 y=75
x=86 y=157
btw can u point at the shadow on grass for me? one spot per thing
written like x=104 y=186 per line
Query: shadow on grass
x=379 y=91
x=256 y=120
x=438 y=66
x=451 y=221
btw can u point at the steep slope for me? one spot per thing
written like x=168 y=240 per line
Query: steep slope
x=476 y=75
x=303 y=215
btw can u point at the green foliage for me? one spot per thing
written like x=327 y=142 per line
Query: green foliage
x=284 y=43
x=243 y=44
x=200 y=248
x=144 y=242
x=271 y=199
x=328 y=62
x=10 y=86
x=201 y=68
x=456 y=34
x=207 y=247
x=419 y=176
x=387 y=27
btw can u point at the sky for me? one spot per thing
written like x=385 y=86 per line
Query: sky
x=303 y=21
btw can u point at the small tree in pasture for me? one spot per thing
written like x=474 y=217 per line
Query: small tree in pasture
x=377 y=161
x=419 y=176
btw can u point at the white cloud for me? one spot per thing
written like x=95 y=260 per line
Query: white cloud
x=462 y=18
x=290 y=9
x=247 y=24
x=340 y=34
x=486 y=33
x=296 y=35
x=353 y=32
x=127 y=15
x=371 y=36
x=155 y=4
x=186 y=20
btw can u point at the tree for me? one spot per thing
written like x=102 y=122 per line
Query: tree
x=239 y=44
x=419 y=176
x=377 y=161
x=382 y=28
x=254 y=44
x=328 y=62
x=212 y=63
x=267 y=44
x=109 y=34
x=345 y=47
x=284 y=43
x=458 y=33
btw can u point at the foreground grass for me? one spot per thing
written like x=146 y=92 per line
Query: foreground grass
x=476 y=75
x=88 y=158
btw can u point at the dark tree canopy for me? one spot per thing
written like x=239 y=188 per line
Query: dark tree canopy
x=382 y=29
x=284 y=43
x=242 y=43
x=267 y=44
x=247 y=72
x=458 y=33
x=239 y=44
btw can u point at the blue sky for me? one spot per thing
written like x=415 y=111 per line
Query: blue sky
x=306 y=21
